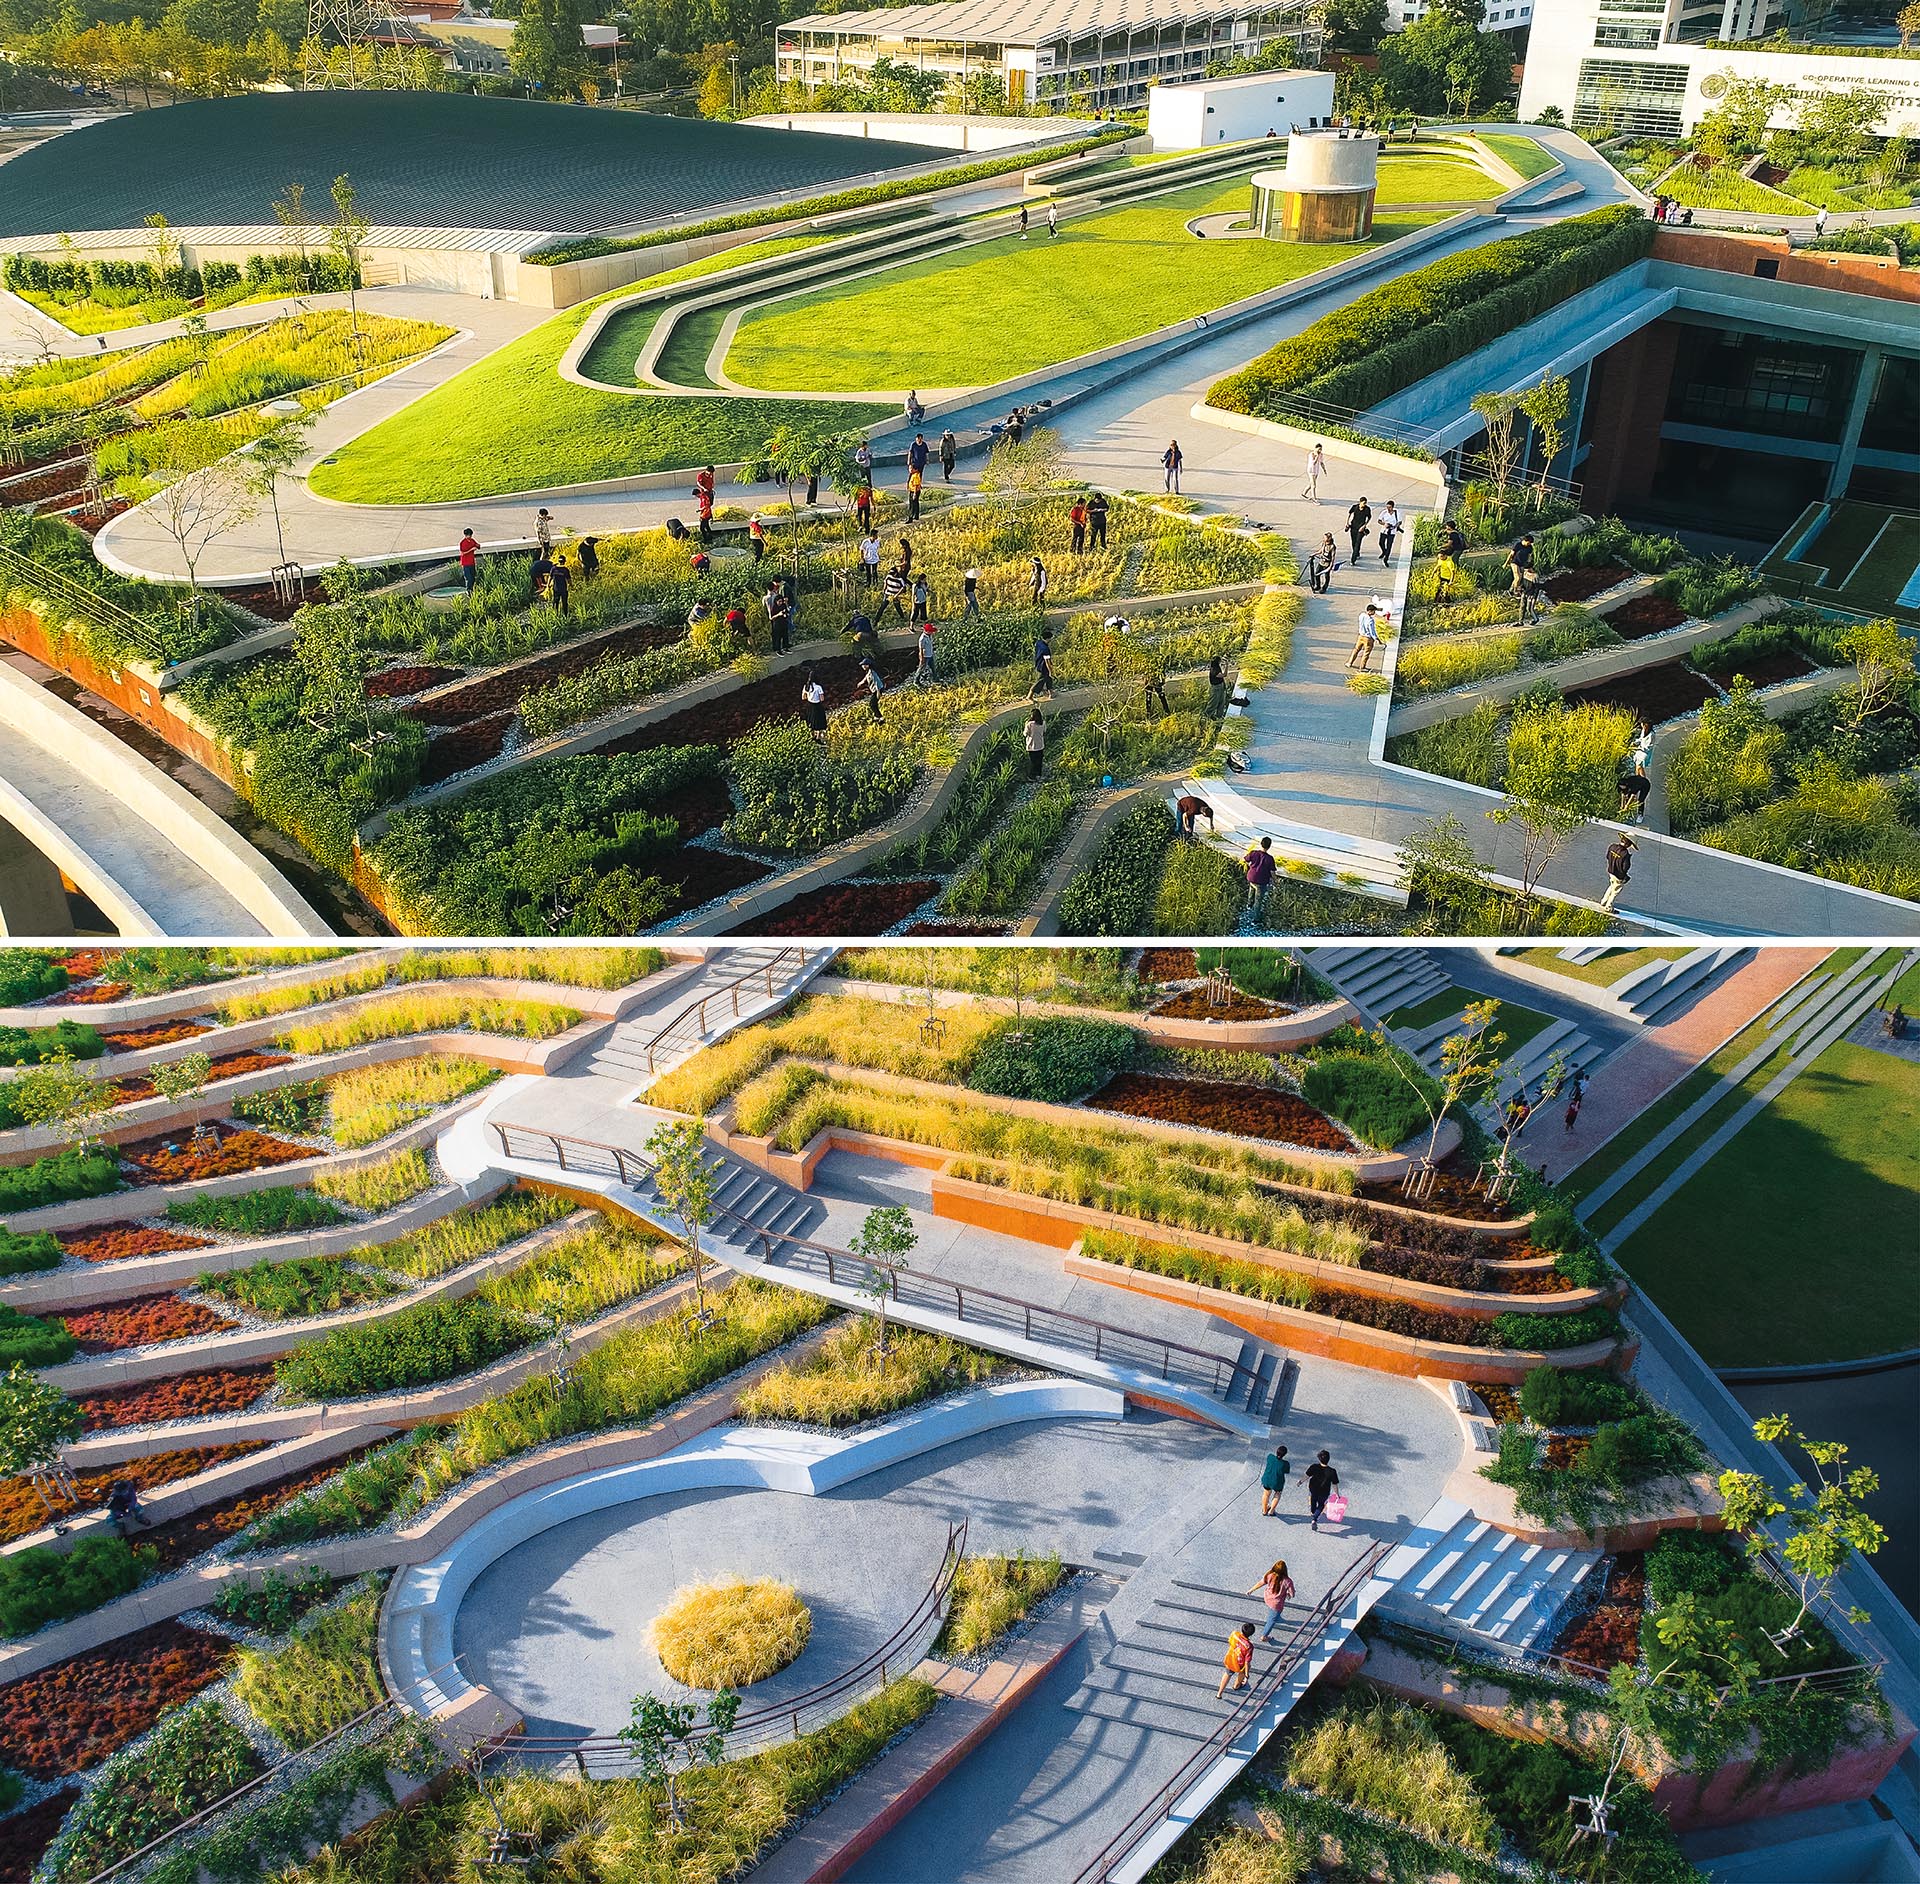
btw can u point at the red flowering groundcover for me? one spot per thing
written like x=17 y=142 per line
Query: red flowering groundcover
x=183 y=1539
x=113 y=1242
x=136 y=1086
x=222 y=1151
x=183 y=1396
x=155 y=1034
x=1609 y=1632
x=92 y=995
x=22 y=1513
x=142 y=1319
x=70 y=1716
x=1246 y=1111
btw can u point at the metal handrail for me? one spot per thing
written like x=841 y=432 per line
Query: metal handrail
x=698 y=1006
x=1293 y=1651
x=767 y=1726
x=83 y=601
x=1220 y=1374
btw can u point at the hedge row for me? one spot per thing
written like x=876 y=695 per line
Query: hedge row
x=1396 y=335
x=589 y=246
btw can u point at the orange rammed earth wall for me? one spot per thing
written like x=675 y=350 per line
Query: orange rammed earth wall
x=138 y=698
x=1877 y=275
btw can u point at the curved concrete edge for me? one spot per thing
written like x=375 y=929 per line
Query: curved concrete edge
x=417 y=1618
x=1299 y=439
x=116 y=902
x=139 y=1009
x=178 y=820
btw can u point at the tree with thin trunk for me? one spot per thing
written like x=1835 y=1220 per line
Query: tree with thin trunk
x=886 y=1239
x=290 y=212
x=36 y=1419
x=1883 y=662
x=798 y=458
x=1470 y=1066
x=668 y=1737
x=1499 y=414
x=1548 y=405
x=161 y=243
x=1908 y=21
x=346 y=236
x=685 y=1183
x=1539 y=801
x=180 y=1082
x=204 y=493
x=61 y=1094
x=271 y=457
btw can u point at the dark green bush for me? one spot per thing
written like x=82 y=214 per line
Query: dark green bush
x=258 y=1213
x=435 y=1341
x=354 y=1500
x=1631 y=1451
x=28 y=1339
x=67 y=1174
x=1545 y=1333
x=793 y=797
x=40 y=1586
x=1367 y=1096
x=1754 y=1609
x=301 y=1285
x=274 y=1603
x=1113 y=894
x=1550 y=1396
x=300 y=1108
x=29 y=975
x=22 y=1255
x=1689 y=1563
x=28 y=1046
x=1054 y=1060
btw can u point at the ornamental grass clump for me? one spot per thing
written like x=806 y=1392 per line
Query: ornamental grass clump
x=465 y=1235
x=378 y=1187
x=321 y=1679
x=373 y=1101
x=439 y=1011
x=1386 y=1758
x=990 y=1594
x=843 y=1380
x=730 y=1633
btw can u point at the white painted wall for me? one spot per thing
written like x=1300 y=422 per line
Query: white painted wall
x=1195 y=113
x=942 y=129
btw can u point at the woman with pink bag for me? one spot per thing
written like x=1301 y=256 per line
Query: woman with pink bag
x=1321 y=1479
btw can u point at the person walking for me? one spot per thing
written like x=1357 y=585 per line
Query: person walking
x=1275 y=1589
x=1359 y=516
x=1453 y=541
x=1820 y=222
x=1238 y=1659
x=1187 y=811
x=1321 y=1479
x=1153 y=689
x=922 y=599
x=1053 y=219
x=923 y=674
x=1042 y=665
x=779 y=617
x=705 y=500
x=757 y=537
x=863 y=461
x=1574 y=1098
x=894 y=593
x=870 y=557
x=543 y=530
x=1097 y=519
x=1390 y=527
x=914 y=481
x=918 y=452
x=949 y=455
x=1366 y=640
x=1273 y=1481
x=1172 y=459
x=1446 y=572
x=1258 y=864
x=970 y=594
x=863 y=506
x=469 y=559
x=813 y=705
x=1037 y=581
x=1216 y=687
x=559 y=583
x=1036 y=739
x=1316 y=470
x=871 y=684
x=1077 y=519
x=1619 y=869
x=1023 y=222
x=1520 y=574
x=589 y=558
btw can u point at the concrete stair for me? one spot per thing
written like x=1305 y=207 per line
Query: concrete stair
x=1479 y=1582
x=1379 y=981
x=762 y=979
x=1653 y=992
x=1363 y=865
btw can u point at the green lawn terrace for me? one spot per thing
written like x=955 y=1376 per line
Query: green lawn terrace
x=1861 y=557
x=1824 y=162
x=1745 y=682
x=848 y=321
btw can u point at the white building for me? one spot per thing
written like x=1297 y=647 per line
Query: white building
x=1503 y=16
x=1186 y=114
x=1644 y=66
x=1069 y=55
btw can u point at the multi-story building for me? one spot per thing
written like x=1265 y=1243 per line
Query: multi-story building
x=1656 y=67
x=1067 y=55
x=1502 y=16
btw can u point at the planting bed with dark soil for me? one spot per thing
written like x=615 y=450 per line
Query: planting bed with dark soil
x=1245 y=1111
x=699 y=806
x=1609 y=1632
x=223 y=1151
x=1768 y=670
x=185 y=1538
x=181 y=1397
x=853 y=907
x=721 y=721
x=69 y=1717
x=1578 y=585
x=702 y=874
x=22 y=1513
x=94 y=994
x=137 y=1086
x=396 y=683
x=1194 y=1004
x=140 y=1320
x=503 y=691
x=264 y=600
x=25 y=1836
x=1644 y=615
x=466 y=746
x=1168 y=965
x=46 y=491
x=955 y=931
x=114 y=1242
x=1454 y=1194
x=1655 y=693
x=158 y=1034
x=1566 y=1450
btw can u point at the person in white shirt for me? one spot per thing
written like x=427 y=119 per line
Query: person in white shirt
x=1316 y=470
x=870 y=557
x=1389 y=525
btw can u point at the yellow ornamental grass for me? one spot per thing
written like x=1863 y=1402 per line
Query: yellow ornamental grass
x=730 y=1634
x=399 y=1015
x=1387 y=1759
x=377 y=1187
x=372 y=1101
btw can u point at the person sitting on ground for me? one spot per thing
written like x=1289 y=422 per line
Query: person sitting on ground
x=1189 y=808
x=1635 y=789
x=123 y=1507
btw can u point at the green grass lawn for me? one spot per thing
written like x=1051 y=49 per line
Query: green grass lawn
x=511 y=423
x=1435 y=179
x=1519 y=1024
x=1006 y=306
x=1723 y=187
x=1436 y=1007
x=1603 y=971
x=1796 y=1244
x=1527 y=157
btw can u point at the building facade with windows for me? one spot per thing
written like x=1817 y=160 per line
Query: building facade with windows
x=1655 y=68
x=1081 y=56
x=1502 y=16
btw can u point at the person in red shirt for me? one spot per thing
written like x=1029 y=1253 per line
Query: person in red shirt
x=469 y=559
x=1077 y=516
x=737 y=626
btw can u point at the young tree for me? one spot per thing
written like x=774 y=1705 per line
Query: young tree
x=1499 y=413
x=333 y=669
x=1545 y=821
x=271 y=457
x=204 y=494
x=59 y=1093
x=1470 y=1066
x=685 y=1183
x=1882 y=657
x=1827 y=1523
x=669 y=1737
x=800 y=458
x=886 y=1239
x=161 y=244
x=181 y=1081
x=1737 y=125
x=346 y=236
x=1441 y=865
x=36 y=1419
x=1548 y=405
x=290 y=212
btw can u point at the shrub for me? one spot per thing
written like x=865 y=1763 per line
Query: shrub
x=992 y=1593
x=321 y=1679
x=1581 y=750
x=1550 y=1396
x=31 y=1341
x=272 y=1604
x=1704 y=589
x=1754 y=1609
x=1367 y=1096
x=1112 y=894
x=39 y=1586
x=356 y=1499
x=842 y=1382
x=22 y=1046
x=194 y=1758
x=430 y=1342
x=1689 y=1563
x=29 y=975
x=794 y=797
x=1545 y=1333
x=731 y=1633
x=381 y=1186
x=301 y=1285
x=300 y=1108
x=1054 y=1060
x=257 y=1213
x=22 y=1255
x=1631 y=1451
x=68 y=1174
x=1387 y=1758
x=1202 y=892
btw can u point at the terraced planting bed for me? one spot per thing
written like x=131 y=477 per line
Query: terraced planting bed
x=115 y=1242
x=1644 y=615
x=22 y=1511
x=136 y=1086
x=1607 y=1633
x=1770 y=668
x=1261 y=1112
x=140 y=1321
x=221 y=1150
x=857 y=907
x=26 y=1834
x=180 y=1540
x=155 y=1034
x=1198 y=1004
x=179 y=1397
x=1455 y=1193
x=1655 y=694
x=1583 y=584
